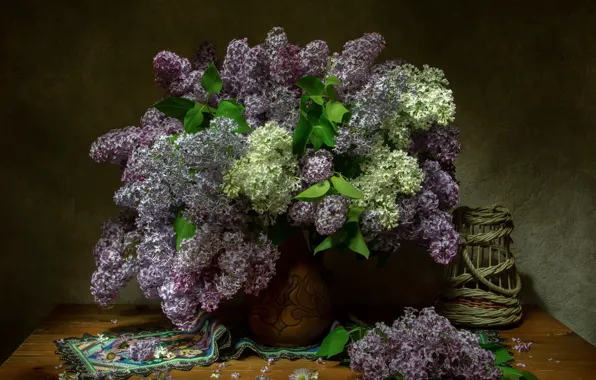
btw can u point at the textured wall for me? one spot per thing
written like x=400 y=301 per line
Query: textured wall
x=524 y=79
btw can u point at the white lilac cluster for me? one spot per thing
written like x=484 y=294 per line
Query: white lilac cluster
x=385 y=175
x=426 y=100
x=267 y=174
x=200 y=201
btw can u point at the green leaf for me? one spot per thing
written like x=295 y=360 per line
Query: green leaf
x=183 y=229
x=238 y=105
x=332 y=80
x=345 y=188
x=324 y=134
x=490 y=346
x=317 y=99
x=355 y=240
x=330 y=92
x=332 y=191
x=335 y=111
x=211 y=81
x=301 y=136
x=311 y=85
x=175 y=107
x=314 y=192
x=333 y=240
x=303 y=101
x=510 y=373
x=233 y=111
x=193 y=120
x=316 y=141
x=354 y=213
x=243 y=127
x=204 y=108
x=359 y=257
x=334 y=343
x=326 y=244
x=502 y=356
x=528 y=376
x=314 y=112
x=356 y=333
x=325 y=123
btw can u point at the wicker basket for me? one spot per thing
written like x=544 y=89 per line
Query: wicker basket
x=483 y=284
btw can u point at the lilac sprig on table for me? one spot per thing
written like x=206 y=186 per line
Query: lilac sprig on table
x=275 y=140
x=419 y=345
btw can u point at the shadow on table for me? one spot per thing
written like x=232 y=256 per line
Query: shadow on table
x=528 y=294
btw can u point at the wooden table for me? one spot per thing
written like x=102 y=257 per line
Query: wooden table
x=557 y=353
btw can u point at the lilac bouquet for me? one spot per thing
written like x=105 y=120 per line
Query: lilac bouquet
x=422 y=345
x=278 y=138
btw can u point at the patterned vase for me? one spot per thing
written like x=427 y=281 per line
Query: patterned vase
x=295 y=309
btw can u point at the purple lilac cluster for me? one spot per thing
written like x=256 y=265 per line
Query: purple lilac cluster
x=328 y=214
x=331 y=214
x=352 y=67
x=421 y=220
x=302 y=213
x=374 y=102
x=178 y=76
x=117 y=146
x=141 y=349
x=424 y=217
x=316 y=166
x=188 y=172
x=166 y=170
x=440 y=142
x=115 y=258
x=213 y=266
x=209 y=154
x=263 y=78
x=422 y=345
x=441 y=183
x=155 y=253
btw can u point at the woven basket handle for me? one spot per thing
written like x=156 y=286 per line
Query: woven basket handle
x=481 y=274
x=496 y=215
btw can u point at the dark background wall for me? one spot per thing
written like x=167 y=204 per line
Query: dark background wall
x=523 y=75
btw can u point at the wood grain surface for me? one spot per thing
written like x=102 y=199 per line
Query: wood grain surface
x=557 y=353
